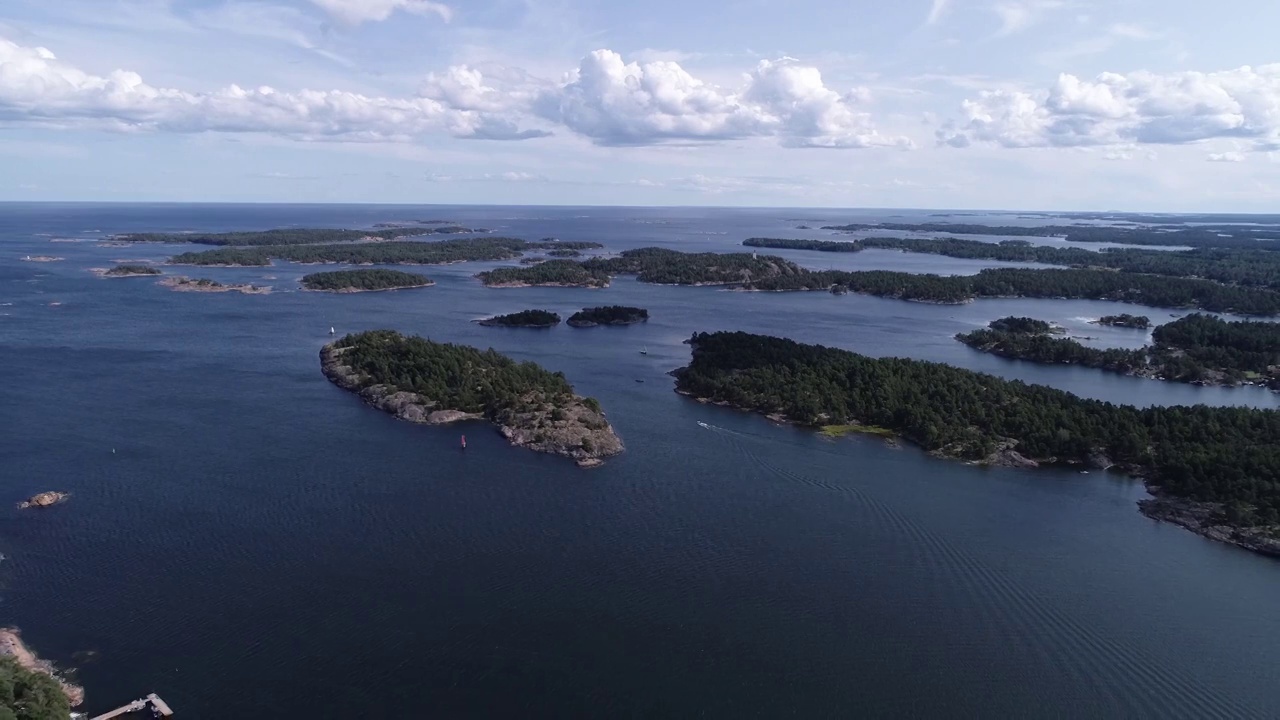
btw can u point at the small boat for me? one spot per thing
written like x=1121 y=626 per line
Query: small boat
x=704 y=425
x=332 y=331
x=639 y=380
x=464 y=442
x=644 y=350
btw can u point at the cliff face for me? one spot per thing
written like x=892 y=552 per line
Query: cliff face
x=575 y=428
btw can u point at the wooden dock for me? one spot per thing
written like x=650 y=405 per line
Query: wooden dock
x=153 y=701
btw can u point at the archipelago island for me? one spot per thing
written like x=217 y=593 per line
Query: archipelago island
x=353 y=281
x=437 y=383
x=524 y=318
x=608 y=315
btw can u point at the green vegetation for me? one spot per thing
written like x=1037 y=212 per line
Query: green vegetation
x=564 y=253
x=524 y=318
x=1222 y=455
x=1251 y=267
x=1195 y=349
x=835 y=431
x=390 y=253
x=608 y=315
x=1137 y=322
x=28 y=695
x=1238 y=237
x=671 y=267
x=555 y=273
x=127 y=270
x=287 y=236
x=363 y=280
x=1021 y=325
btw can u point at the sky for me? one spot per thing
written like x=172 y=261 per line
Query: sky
x=1144 y=105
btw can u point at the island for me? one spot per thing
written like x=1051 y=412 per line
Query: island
x=438 y=252
x=1209 y=469
x=353 y=281
x=436 y=383
x=765 y=273
x=32 y=688
x=1207 y=237
x=524 y=318
x=564 y=253
x=182 y=283
x=1199 y=349
x=608 y=315
x=1137 y=322
x=552 y=273
x=42 y=258
x=1247 y=265
x=289 y=236
x=127 y=270
x=43 y=500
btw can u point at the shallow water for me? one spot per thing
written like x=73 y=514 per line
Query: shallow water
x=249 y=541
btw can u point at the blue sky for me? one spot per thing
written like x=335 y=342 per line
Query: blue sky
x=1169 y=105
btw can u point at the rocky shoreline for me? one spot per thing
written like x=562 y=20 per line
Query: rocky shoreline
x=349 y=290
x=577 y=430
x=11 y=644
x=182 y=283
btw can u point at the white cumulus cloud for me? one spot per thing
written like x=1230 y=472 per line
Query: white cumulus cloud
x=1227 y=157
x=1141 y=107
x=618 y=103
x=355 y=12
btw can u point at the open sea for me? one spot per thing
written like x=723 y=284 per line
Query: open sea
x=249 y=541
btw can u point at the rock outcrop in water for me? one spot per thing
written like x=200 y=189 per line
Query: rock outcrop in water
x=44 y=499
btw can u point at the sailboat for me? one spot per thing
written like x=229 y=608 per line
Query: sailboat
x=332 y=331
x=644 y=350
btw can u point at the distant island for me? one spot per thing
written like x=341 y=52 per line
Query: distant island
x=436 y=383
x=1200 y=237
x=1137 y=322
x=1210 y=469
x=1251 y=265
x=41 y=258
x=182 y=283
x=608 y=315
x=552 y=273
x=351 y=281
x=524 y=318
x=1198 y=349
x=128 y=270
x=289 y=236
x=564 y=253
x=438 y=252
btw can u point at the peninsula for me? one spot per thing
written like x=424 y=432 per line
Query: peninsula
x=1198 y=349
x=32 y=686
x=1210 y=469
x=608 y=315
x=524 y=318
x=353 y=281
x=436 y=383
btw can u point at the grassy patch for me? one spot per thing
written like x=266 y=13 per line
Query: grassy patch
x=835 y=431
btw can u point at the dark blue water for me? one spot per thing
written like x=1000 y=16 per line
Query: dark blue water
x=262 y=545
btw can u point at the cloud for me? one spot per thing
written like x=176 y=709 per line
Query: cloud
x=936 y=11
x=1226 y=157
x=1019 y=15
x=618 y=103
x=37 y=88
x=355 y=12
x=606 y=100
x=1138 y=108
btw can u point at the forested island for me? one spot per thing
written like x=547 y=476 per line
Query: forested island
x=1236 y=237
x=289 y=236
x=1214 y=470
x=524 y=318
x=391 y=253
x=435 y=383
x=672 y=267
x=182 y=283
x=552 y=273
x=1137 y=322
x=349 y=281
x=608 y=315
x=1250 y=267
x=1198 y=349
x=129 y=270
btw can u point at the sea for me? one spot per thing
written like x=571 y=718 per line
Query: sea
x=247 y=540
